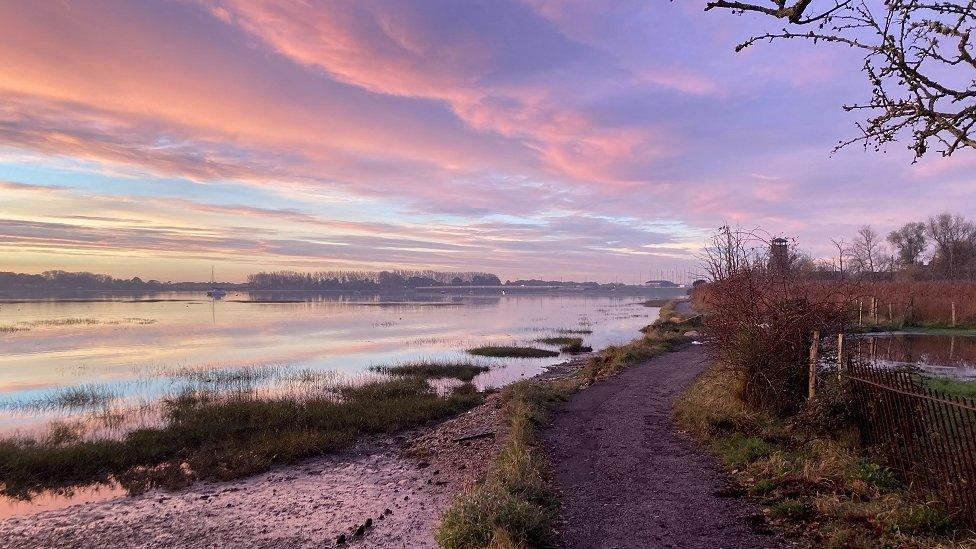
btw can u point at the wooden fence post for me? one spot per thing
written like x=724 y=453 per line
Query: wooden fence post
x=874 y=310
x=814 y=353
x=890 y=318
x=953 y=314
x=860 y=313
x=840 y=354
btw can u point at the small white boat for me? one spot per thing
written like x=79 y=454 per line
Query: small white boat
x=215 y=292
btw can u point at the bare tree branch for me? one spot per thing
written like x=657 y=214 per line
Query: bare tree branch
x=919 y=59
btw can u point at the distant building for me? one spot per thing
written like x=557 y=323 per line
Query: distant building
x=660 y=284
x=779 y=255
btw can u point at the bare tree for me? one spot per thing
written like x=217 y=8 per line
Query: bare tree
x=867 y=251
x=909 y=242
x=842 y=250
x=955 y=243
x=919 y=59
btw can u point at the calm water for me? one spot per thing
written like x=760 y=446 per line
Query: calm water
x=936 y=355
x=106 y=361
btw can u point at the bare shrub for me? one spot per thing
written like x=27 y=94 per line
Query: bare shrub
x=761 y=315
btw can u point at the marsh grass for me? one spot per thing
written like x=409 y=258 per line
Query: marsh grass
x=576 y=348
x=580 y=331
x=27 y=325
x=78 y=397
x=505 y=351
x=463 y=371
x=813 y=487
x=218 y=437
x=560 y=340
x=236 y=375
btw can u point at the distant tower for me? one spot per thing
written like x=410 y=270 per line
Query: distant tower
x=779 y=255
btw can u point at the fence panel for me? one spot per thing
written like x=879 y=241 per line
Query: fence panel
x=927 y=437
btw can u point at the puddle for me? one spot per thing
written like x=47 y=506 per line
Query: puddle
x=49 y=501
x=937 y=355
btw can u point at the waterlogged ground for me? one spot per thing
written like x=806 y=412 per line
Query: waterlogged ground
x=105 y=362
x=936 y=355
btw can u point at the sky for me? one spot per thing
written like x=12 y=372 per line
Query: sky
x=577 y=139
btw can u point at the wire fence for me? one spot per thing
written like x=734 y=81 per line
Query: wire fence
x=927 y=437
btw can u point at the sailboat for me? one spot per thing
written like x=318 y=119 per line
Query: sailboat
x=215 y=292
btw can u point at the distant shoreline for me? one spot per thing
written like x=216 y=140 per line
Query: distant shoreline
x=91 y=295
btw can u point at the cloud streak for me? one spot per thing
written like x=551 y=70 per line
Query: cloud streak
x=599 y=135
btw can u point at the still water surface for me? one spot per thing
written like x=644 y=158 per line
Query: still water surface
x=932 y=354
x=124 y=353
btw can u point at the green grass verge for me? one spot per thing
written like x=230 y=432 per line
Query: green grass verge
x=952 y=386
x=220 y=438
x=941 y=330
x=464 y=371
x=503 y=351
x=815 y=488
x=515 y=505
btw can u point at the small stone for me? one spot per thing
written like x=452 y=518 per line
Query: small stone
x=368 y=523
x=341 y=540
x=387 y=511
x=361 y=530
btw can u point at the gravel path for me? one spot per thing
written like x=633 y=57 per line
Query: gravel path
x=629 y=479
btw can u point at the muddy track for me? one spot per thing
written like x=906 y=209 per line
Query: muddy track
x=629 y=479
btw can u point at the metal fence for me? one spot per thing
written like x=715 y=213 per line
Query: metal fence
x=927 y=437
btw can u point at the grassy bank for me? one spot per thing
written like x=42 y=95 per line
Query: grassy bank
x=814 y=487
x=218 y=438
x=516 y=505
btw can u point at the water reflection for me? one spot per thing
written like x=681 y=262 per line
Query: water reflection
x=105 y=360
x=939 y=355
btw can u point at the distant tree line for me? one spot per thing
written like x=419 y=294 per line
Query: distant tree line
x=63 y=280
x=941 y=247
x=366 y=280
x=360 y=281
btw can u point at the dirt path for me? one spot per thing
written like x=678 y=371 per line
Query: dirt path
x=629 y=479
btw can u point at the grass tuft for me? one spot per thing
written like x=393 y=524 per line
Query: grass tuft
x=464 y=371
x=503 y=351
x=560 y=340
